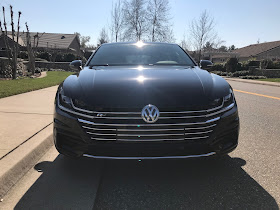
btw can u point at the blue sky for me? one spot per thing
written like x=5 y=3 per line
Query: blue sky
x=238 y=22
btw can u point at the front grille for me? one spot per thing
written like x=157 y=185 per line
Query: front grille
x=129 y=126
x=149 y=132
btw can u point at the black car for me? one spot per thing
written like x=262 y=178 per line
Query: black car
x=144 y=100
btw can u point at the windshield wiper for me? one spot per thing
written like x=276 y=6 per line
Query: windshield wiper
x=90 y=66
x=100 y=65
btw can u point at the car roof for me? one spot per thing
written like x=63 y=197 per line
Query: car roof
x=121 y=43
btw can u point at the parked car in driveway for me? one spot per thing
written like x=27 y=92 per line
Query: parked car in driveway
x=144 y=100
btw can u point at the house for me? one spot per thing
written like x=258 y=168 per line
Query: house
x=47 y=41
x=214 y=55
x=267 y=50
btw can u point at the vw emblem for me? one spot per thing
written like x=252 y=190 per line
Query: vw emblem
x=150 y=113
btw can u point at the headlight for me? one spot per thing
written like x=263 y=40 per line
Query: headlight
x=64 y=100
x=229 y=99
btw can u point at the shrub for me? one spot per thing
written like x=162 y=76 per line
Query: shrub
x=222 y=73
x=44 y=55
x=240 y=73
x=68 y=57
x=59 y=57
x=252 y=77
x=254 y=63
x=232 y=65
x=23 y=55
x=218 y=67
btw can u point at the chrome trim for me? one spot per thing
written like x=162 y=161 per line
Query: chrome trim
x=151 y=130
x=70 y=111
x=184 y=112
x=101 y=129
x=138 y=140
x=147 y=125
x=145 y=135
x=201 y=128
x=150 y=158
x=199 y=132
x=102 y=134
x=200 y=137
x=79 y=109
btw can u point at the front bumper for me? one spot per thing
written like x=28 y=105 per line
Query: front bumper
x=70 y=139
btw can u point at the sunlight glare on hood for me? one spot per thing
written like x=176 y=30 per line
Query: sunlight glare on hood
x=139 y=44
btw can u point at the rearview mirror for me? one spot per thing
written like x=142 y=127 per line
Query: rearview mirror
x=205 y=64
x=76 y=65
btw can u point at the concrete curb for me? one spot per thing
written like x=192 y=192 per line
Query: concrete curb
x=16 y=164
x=254 y=82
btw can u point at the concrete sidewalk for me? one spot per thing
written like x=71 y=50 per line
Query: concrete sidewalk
x=25 y=133
x=23 y=115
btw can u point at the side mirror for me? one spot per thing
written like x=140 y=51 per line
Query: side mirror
x=76 y=65
x=205 y=64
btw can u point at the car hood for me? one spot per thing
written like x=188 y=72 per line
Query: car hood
x=135 y=87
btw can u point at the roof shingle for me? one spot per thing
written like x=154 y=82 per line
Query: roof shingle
x=255 y=49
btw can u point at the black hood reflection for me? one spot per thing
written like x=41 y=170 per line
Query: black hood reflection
x=117 y=87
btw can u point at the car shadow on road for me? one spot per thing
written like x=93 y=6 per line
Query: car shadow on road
x=151 y=184
x=181 y=184
x=65 y=183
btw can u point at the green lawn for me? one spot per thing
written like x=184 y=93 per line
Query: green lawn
x=13 y=87
x=270 y=79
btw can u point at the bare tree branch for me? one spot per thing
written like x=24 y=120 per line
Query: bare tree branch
x=158 y=18
x=135 y=20
x=117 y=20
x=202 y=31
x=103 y=37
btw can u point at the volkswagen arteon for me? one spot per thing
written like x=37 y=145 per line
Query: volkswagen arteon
x=144 y=100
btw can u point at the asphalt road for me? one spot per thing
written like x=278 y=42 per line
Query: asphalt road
x=249 y=178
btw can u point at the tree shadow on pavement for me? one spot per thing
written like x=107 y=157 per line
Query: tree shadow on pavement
x=208 y=183
x=65 y=183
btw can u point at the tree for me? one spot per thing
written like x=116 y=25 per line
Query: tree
x=158 y=18
x=135 y=19
x=231 y=48
x=223 y=48
x=84 y=40
x=30 y=52
x=208 y=47
x=12 y=52
x=103 y=37
x=202 y=31
x=117 y=20
x=184 y=43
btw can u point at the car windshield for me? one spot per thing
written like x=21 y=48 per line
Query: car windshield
x=143 y=54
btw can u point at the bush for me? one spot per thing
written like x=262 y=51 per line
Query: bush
x=69 y=57
x=252 y=77
x=218 y=67
x=222 y=73
x=44 y=55
x=232 y=65
x=254 y=63
x=59 y=57
x=240 y=73
x=23 y=55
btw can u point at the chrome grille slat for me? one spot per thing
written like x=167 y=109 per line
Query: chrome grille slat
x=102 y=134
x=144 y=135
x=103 y=129
x=148 y=125
x=198 y=133
x=151 y=130
x=200 y=137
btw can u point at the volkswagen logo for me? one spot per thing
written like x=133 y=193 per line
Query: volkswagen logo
x=150 y=113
